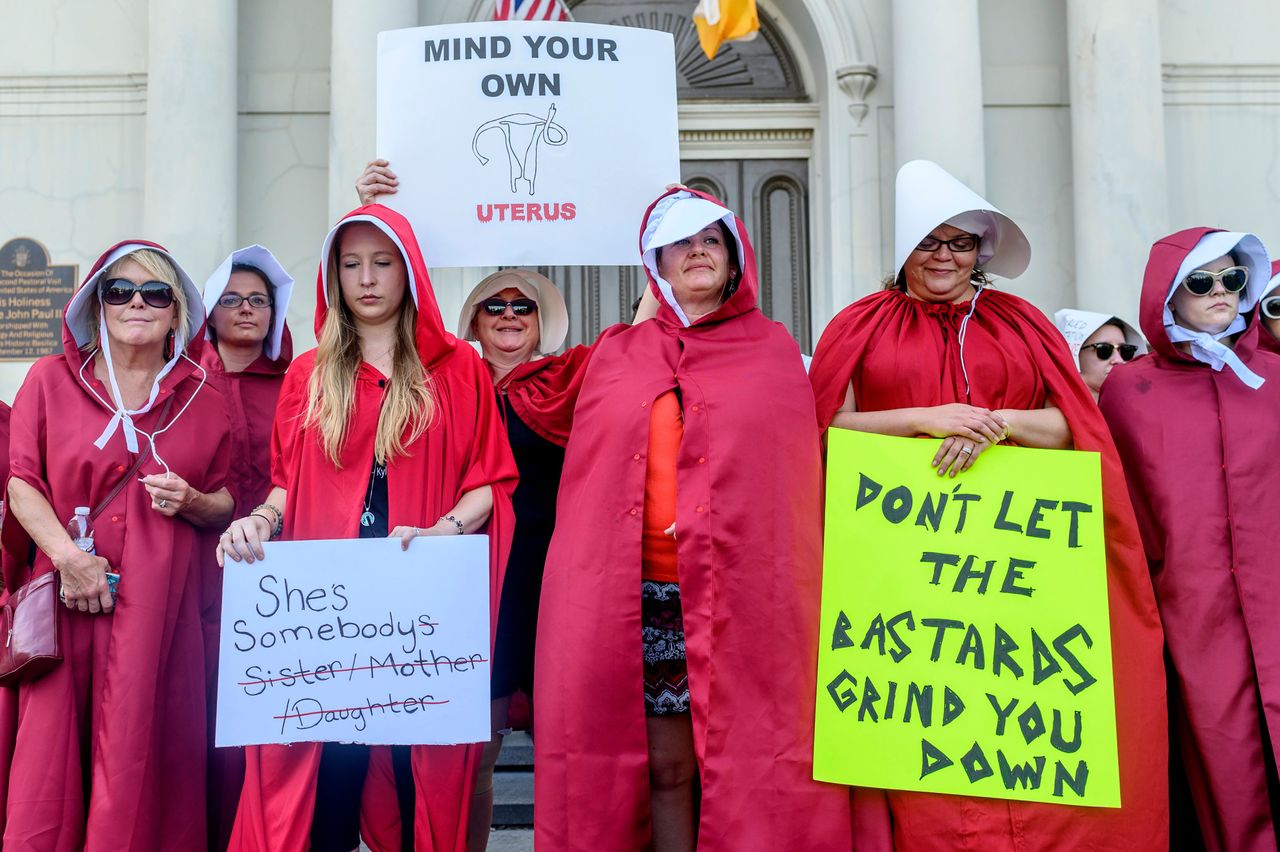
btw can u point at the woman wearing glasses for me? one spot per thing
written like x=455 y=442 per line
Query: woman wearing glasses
x=942 y=353
x=1098 y=342
x=246 y=300
x=1196 y=426
x=517 y=316
x=110 y=745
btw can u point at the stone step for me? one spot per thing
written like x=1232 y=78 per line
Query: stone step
x=511 y=840
x=517 y=751
x=513 y=798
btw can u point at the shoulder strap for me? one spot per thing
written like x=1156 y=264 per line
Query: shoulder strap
x=133 y=468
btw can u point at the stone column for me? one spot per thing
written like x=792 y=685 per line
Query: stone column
x=1117 y=149
x=189 y=196
x=353 y=74
x=937 y=87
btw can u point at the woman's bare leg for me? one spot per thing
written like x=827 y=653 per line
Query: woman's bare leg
x=481 y=817
x=673 y=767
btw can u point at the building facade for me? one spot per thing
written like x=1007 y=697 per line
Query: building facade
x=1098 y=126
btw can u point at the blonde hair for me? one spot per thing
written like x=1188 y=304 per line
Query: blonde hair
x=160 y=268
x=409 y=406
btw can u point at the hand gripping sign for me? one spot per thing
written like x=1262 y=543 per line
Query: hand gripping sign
x=965 y=644
x=357 y=641
x=527 y=143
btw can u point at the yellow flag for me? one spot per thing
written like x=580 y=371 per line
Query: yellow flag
x=719 y=21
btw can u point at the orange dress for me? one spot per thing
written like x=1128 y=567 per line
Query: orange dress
x=658 y=550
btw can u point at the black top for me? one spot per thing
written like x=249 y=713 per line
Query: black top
x=376 y=506
x=539 y=463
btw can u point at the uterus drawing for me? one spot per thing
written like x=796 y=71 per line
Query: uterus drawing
x=522 y=135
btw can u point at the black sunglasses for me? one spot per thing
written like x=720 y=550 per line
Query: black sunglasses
x=1104 y=351
x=119 y=291
x=1200 y=282
x=1271 y=307
x=496 y=307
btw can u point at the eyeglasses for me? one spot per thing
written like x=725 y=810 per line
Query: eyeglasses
x=1271 y=307
x=496 y=307
x=119 y=291
x=959 y=245
x=1104 y=351
x=234 y=300
x=1200 y=282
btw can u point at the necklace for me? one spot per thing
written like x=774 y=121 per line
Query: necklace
x=366 y=517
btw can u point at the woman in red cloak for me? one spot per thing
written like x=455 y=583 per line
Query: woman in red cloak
x=246 y=300
x=942 y=354
x=388 y=427
x=1196 y=426
x=698 y=413
x=109 y=750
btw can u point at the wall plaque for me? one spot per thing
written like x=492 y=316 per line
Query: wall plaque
x=33 y=294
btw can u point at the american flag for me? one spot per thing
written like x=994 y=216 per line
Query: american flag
x=530 y=10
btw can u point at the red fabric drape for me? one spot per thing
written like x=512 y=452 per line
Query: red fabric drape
x=122 y=718
x=900 y=352
x=749 y=519
x=1199 y=451
x=465 y=448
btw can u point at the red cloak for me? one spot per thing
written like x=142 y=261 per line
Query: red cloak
x=1199 y=451
x=123 y=716
x=901 y=352
x=465 y=448
x=749 y=577
x=251 y=396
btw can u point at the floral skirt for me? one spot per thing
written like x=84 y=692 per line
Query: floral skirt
x=666 y=675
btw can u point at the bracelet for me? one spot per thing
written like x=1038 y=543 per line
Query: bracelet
x=271 y=531
x=277 y=525
x=453 y=520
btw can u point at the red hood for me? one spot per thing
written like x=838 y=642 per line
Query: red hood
x=743 y=300
x=434 y=343
x=1167 y=256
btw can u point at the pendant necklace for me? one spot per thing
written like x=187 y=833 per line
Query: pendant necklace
x=366 y=518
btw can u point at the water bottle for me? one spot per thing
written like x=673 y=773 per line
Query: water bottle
x=80 y=528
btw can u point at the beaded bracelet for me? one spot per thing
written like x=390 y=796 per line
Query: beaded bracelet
x=278 y=525
x=454 y=520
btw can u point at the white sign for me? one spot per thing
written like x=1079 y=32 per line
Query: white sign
x=357 y=641
x=528 y=143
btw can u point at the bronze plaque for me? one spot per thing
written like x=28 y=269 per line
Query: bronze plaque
x=33 y=295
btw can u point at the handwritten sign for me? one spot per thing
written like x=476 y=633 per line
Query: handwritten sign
x=357 y=641
x=965 y=641
x=527 y=143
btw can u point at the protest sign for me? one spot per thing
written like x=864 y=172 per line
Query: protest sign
x=356 y=641
x=965 y=644
x=527 y=143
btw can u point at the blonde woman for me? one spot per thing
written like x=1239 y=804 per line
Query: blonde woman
x=109 y=746
x=387 y=428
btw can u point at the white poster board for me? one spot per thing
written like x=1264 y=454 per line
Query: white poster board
x=356 y=641
x=527 y=143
